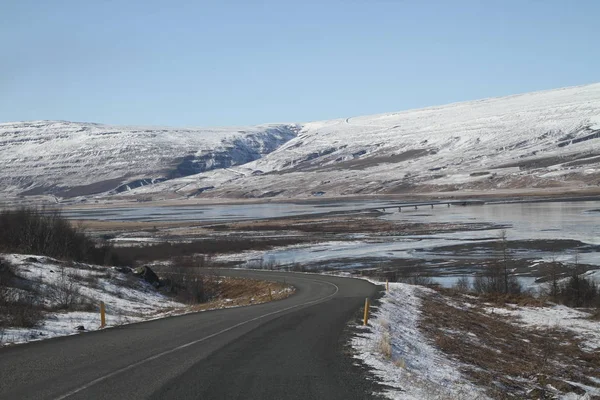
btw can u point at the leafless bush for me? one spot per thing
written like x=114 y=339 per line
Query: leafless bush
x=576 y=290
x=551 y=288
x=298 y=267
x=463 y=284
x=25 y=311
x=496 y=279
x=18 y=308
x=497 y=276
x=187 y=282
x=6 y=276
x=66 y=293
x=415 y=276
x=47 y=232
x=579 y=291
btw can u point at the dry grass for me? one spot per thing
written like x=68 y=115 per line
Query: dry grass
x=595 y=315
x=521 y=299
x=509 y=360
x=384 y=346
x=330 y=224
x=346 y=224
x=236 y=292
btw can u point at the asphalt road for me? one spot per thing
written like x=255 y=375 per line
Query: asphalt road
x=287 y=349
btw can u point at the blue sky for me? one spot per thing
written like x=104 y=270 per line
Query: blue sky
x=219 y=63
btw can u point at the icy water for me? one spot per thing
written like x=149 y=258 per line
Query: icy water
x=217 y=212
x=553 y=220
x=522 y=221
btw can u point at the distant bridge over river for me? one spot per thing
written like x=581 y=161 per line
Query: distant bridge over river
x=429 y=204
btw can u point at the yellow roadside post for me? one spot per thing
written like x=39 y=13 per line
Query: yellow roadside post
x=366 y=317
x=102 y=315
x=270 y=294
x=387 y=285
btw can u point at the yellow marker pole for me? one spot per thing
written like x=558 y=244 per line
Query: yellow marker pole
x=366 y=317
x=102 y=315
x=270 y=294
x=387 y=285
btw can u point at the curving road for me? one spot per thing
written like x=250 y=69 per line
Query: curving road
x=287 y=349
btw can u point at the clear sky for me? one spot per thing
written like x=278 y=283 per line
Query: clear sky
x=219 y=63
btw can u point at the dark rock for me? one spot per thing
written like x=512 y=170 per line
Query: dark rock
x=123 y=270
x=80 y=328
x=148 y=275
x=138 y=183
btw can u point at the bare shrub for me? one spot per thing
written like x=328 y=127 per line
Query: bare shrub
x=463 y=284
x=24 y=311
x=186 y=280
x=496 y=279
x=6 y=276
x=66 y=293
x=551 y=288
x=255 y=264
x=298 y=267
x=47 y=232
x=579 y=291
x=18 y=308
x=415 y=276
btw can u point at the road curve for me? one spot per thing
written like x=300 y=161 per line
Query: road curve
x=287 y=349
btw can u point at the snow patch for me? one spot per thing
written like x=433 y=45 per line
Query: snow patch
x=557 y=316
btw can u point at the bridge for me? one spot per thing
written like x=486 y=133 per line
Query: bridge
x=430 y=204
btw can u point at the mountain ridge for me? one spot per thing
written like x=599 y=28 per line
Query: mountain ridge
x=539 y=139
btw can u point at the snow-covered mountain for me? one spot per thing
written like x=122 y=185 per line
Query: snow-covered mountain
x=72 y=159
x=542 y=139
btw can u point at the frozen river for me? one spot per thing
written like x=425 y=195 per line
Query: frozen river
x=526 y=221
x=574 y=220
x=577 y=221
x=218 y=212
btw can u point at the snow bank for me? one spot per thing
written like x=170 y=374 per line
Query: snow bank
x=415 y=370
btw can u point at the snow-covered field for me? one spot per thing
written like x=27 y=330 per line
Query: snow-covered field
x=128 y=299
x=395 y=347
x=533 y=140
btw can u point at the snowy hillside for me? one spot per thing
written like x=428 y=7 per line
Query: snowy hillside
x=57 y=297
x=71 y=159
x=535 y=140
x=543 y=139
